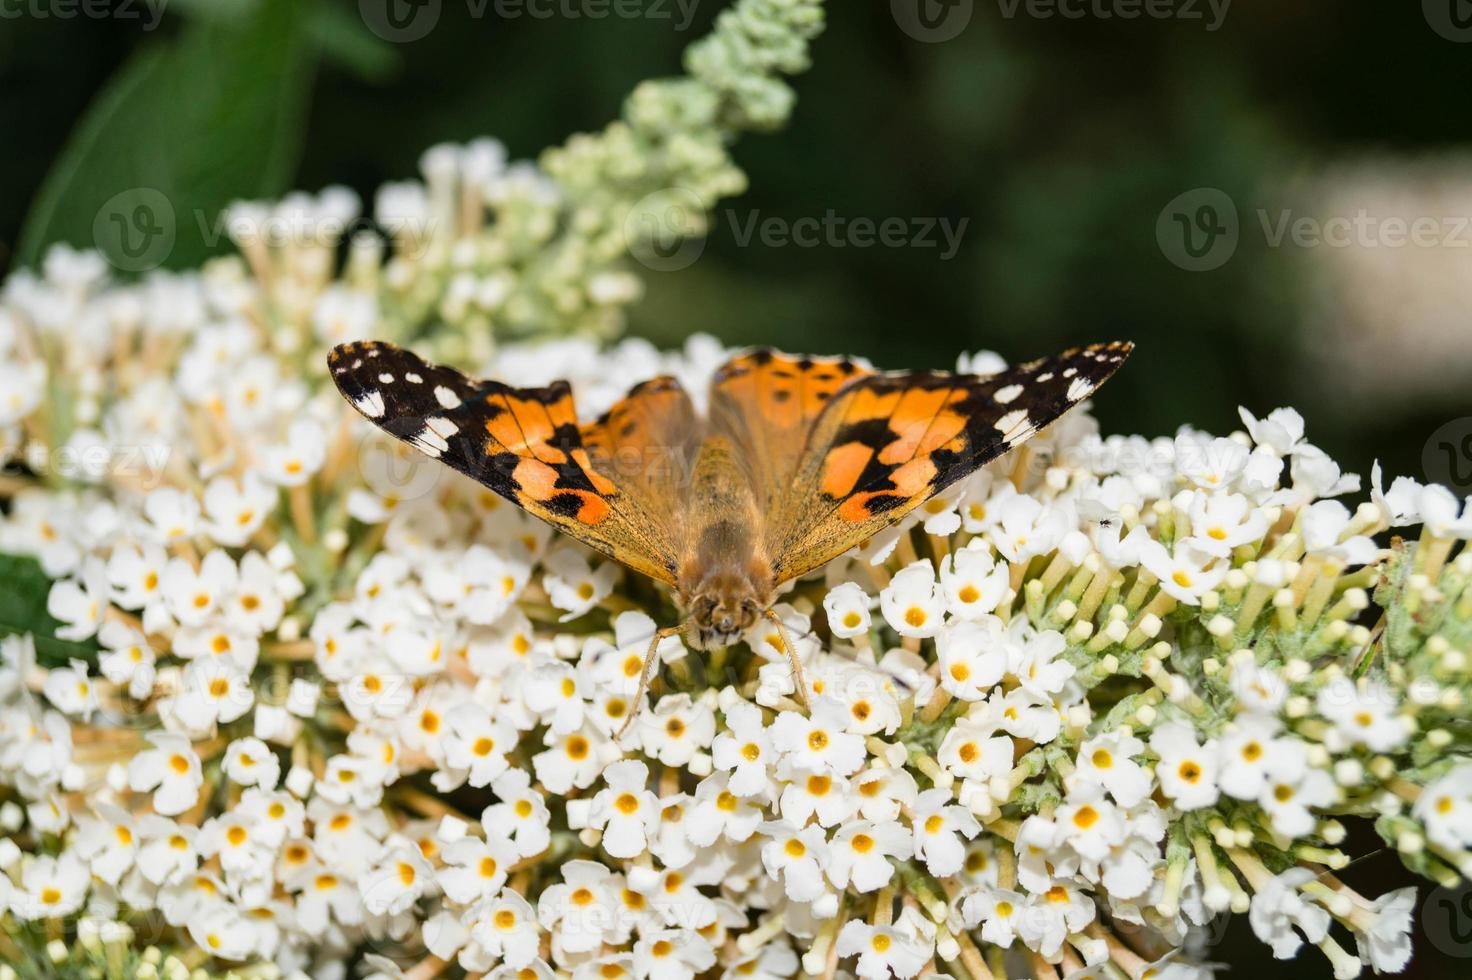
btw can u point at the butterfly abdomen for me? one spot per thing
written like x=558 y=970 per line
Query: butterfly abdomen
x=725 y=578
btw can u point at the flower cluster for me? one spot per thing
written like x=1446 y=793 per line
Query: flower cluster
x=305 y=691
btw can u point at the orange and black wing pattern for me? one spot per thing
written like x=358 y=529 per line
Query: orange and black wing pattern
x=523 y=443
x=767 y=402
x=886 y=443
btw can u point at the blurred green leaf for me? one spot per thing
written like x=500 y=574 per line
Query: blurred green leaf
x=23 y=591
x=185 y=126
x=345 y=40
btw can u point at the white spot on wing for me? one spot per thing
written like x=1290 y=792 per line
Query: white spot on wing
x=370 y=405
x=446 y=397
x=429 y=442
x=1006 y=395
x=412 y=378
x=1079 y=389
x=1011 y=424
x=386 y=378
x=442 y=427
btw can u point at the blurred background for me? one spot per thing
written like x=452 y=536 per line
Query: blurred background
x=1273 y=200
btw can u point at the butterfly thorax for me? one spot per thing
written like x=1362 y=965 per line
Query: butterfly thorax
x=725 y=580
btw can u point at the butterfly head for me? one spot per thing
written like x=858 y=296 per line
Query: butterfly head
x=723 y=609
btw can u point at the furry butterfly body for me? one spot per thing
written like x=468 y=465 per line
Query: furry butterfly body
x=798 y=460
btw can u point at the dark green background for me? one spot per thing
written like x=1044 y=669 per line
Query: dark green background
x=1060 y=140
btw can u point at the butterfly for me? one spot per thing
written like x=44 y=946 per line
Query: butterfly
x=797 y=460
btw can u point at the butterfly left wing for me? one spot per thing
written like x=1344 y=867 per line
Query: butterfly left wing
x=523 y=443
x=887 y=443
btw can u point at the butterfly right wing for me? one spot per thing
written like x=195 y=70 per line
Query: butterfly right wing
x=523 y=443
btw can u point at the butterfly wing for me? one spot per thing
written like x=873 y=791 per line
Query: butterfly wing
x=766 y=402
x=646 y=445
x=887 y=443
x=523 y=443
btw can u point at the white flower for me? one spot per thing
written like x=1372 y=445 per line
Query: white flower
x=1278 y=908
x=1281 y=431
x=51 y=887
x=911 y=603
x=1386 y=945
x=973 y=656
x=861 y=851
x=521 y=815
x=574 y=760
x=883 y=951
x=1324 y=525
x=193 y=597
x=1445 y=808
x=1364 y=713
x=719 y=813
x=797 y=857
x=211 y=690
x=939 y=826
x=676 y=729
x=1186 y=572
x=580 y=912
x=1223 y=521
x=1187 y=771
x=1293 y=788
x=1090 y=824
x=108 y=842
x=1052 y=915
x=71 y=690
x=127 y=659
x=171 y=770
x=972 y=750
x=79 y=604
x=477 y=743
x=672 y=954
x=172 y=515
x=235 y=511
x=506 y=926
x=1211 y=464
x=476 y=868
x=249 y=762
x=818 y=742
x=973 y=583
x=291 y=464
x=814 y=794
x=997 y=911
x=1245 y=750
x=573 y=585
x=1108 y=761
x=624 y=810
x=847 y=607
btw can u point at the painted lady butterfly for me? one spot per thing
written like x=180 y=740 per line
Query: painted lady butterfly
x=799 y=460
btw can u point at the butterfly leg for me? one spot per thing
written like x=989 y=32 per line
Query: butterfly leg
x=649 y=659
x=797 y=675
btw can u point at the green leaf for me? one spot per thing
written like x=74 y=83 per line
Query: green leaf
x=186 y=126
x=345 y=40
x=23 y=591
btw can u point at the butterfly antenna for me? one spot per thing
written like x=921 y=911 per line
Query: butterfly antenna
x=791 y=651
x=649 y=657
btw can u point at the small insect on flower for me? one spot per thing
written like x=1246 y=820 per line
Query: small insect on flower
x=798 y=460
